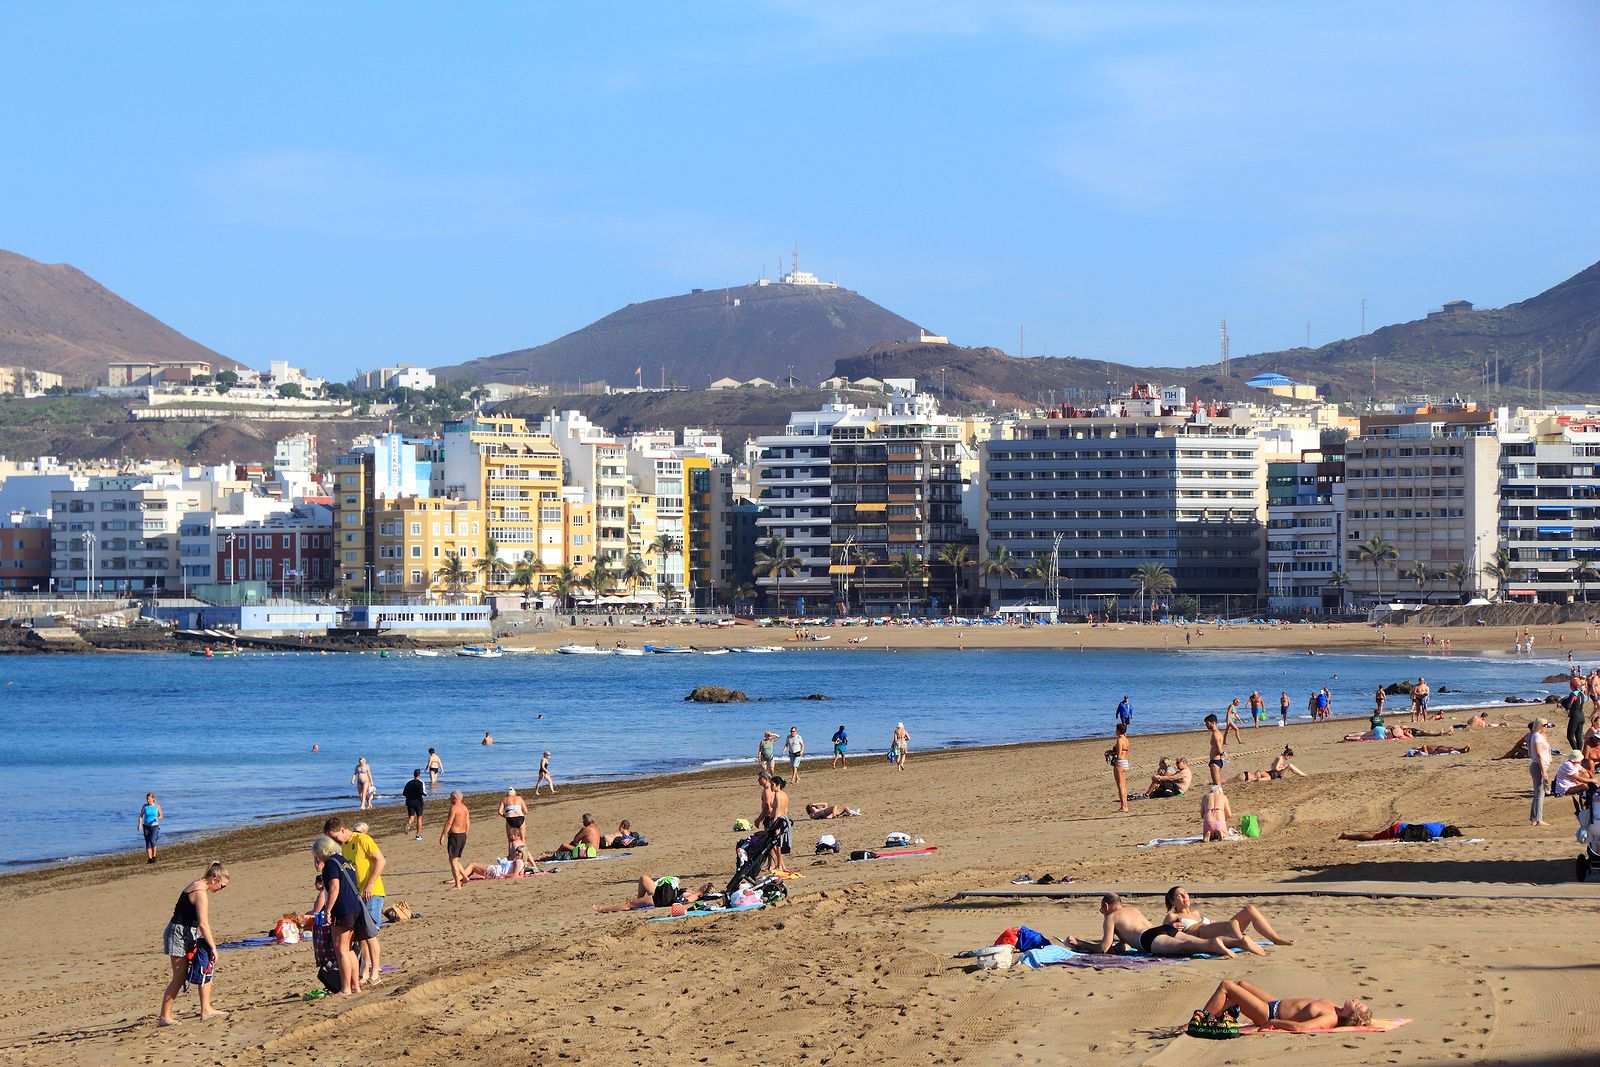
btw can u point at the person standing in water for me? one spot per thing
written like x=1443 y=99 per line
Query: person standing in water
x=435 y=768
x=900 y=746
x=841 y=743
x=149 y=821
x=544 y=776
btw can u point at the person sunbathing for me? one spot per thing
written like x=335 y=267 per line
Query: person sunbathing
x=585 y=844
x=1404 y=831
x=623 y=838
x=657 y=893
x=1129 y=926
x=1281 y=768
x=1301 y=1015
x=1439 y=750
x=831 y=811
x=1182 y=914
x=516 y=866
x=1517 y=751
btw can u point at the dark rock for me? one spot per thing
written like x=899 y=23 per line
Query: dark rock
x=716 y=694
x=1514 y=700
x=816 y=696
x=1398 y=689
x=1552 y=699
x=1557 y=678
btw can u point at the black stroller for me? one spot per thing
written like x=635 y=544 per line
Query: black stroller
x=753 y=853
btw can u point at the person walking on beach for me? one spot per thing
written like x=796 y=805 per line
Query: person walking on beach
x=367 y=861
x=544 y=776
x=900 y=746
x=362 y=780
x=841 y=742
x=1117 y=756
x=414 y=791
x=435 y=768
x=1283 y=708
x=190 y=926
x=515 y=813
x=764 y=751
x=1233 y=721
x=1219 y=756
x=1257 y=708
x=1124 y=711
x=149 y=822
x=1538 y=767
x=794 y=746
x=457 y=821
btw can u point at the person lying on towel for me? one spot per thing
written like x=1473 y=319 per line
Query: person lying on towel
x=831 y=811
x=1300 y=1015
x=657 y=893
x=1404 y=831
x=1128 y=925
x=514 y=866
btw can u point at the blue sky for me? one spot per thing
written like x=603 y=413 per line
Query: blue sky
x=356 y=184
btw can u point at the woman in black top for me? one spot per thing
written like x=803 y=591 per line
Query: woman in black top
x=191 y=923
x=340 y=903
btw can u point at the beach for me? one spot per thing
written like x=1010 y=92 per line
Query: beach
x=859 y=964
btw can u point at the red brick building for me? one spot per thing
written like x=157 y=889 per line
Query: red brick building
x=292 y=552
x=25 y=555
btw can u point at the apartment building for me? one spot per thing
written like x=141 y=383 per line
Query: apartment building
x=1305 y=533
x=416 y=541
x=895 y=487
x=1550 y=507
x=290 y=550
x=1426 y=482
x=25 y=552
x=515 y=474
x=792 y=481
x=1094 y=493
x=120 y=533
x=387 y=467
x=596 y=462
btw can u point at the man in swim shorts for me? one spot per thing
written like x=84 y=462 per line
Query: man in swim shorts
x=1218 y=757
x=457 y=822
x=1398 y=831
x=794 y=747
x=414 y=791
x=1129 y=926
x=841 y=742
x=1299 y=1015
x=435 y=768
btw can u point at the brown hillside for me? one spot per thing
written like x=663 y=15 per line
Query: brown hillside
x=56 y=318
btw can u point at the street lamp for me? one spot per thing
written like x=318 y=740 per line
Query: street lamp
x=233 y=560
x=1055 y=574
x=369 y=584
x=88 y=554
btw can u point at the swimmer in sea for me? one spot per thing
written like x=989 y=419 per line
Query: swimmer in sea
x=488 y=739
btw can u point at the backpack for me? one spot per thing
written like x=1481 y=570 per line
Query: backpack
x=1250 y=826
x=1413 y=831
x=202 y=963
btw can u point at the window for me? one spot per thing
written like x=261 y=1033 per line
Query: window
x=416 y=529
x=416 y=551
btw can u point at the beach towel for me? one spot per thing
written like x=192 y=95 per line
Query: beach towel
x=705 y=911
x=1158 y=841
x=592 y=859
x=252 y=942
x=868 y=854
x=1377 y=1026
x=1059 y=956
x=1435 y=841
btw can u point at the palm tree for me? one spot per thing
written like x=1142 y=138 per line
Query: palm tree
x=489 y=564
x=1037 y=571
x=1584 y=573
x=1000 y=565
x=744 y=591
x=455 y=573
x=1461 y=574
x=1151 y=579
x=634 y=571
x=1421 y=574
x=908 y=567
x=776 y=562
x=1499 y=568
x=1341 y=581
x=956 y=557
x=1380 y=553
x=663 y=546
x=566 y=582
x=600 y=578
x=526 y=576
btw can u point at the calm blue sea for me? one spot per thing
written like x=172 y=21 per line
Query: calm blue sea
x=228 y=741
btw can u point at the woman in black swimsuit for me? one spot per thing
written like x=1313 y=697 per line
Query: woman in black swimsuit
x=191 y=923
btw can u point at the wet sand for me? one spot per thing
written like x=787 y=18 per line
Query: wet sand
x=859 y=966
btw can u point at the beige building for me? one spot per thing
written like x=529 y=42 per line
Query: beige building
x=1427 y=483
x=515 y=474
x=415 y=539
x=596 y=462
x=25 y=381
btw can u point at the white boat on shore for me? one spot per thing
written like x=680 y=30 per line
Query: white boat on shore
x=627 y=651
x=757 y=649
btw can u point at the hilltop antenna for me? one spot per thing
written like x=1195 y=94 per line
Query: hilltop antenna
x=795 y=268
x=1224 y=348
x=1374 y=377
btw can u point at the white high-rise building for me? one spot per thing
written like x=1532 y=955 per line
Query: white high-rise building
x=792 y=477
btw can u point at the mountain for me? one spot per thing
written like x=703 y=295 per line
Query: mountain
x=1445 y=352
x=56 y=318
x=988 y=377
x=744 y=332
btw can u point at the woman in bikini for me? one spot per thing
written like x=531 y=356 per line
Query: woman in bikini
x=362 y=780
x=1233 y=723
x=1280 y=769
x=515 y=866
x=1182 y=914
x=1117 y=756
x=515 y=814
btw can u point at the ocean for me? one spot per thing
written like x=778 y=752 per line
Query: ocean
x=225 y=742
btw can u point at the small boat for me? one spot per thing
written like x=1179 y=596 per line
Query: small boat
x=213 y=653
x=669 y=650
x=627 y=651
x=712 y=651
x=480 y=652
x=755 y=649
x=582 y=650
x=427 y=652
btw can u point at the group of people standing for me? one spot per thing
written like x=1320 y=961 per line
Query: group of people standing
x=794 y=749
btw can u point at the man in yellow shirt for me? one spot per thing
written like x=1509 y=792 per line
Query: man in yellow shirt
x=367 y=858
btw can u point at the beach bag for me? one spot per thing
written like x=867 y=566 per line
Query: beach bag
x=996 y=958
x=1211 y=1027
x=863 y=854
x=742 y=826
x=287 y=930
x=1028 y=940
x=826 y=843
x=202 y=964
x=1250 y=826
x=897 y=840
x=398 y=912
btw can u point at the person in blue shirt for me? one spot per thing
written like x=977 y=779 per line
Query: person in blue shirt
x=1125 y=712
x=150 y=816
x=841 y=742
